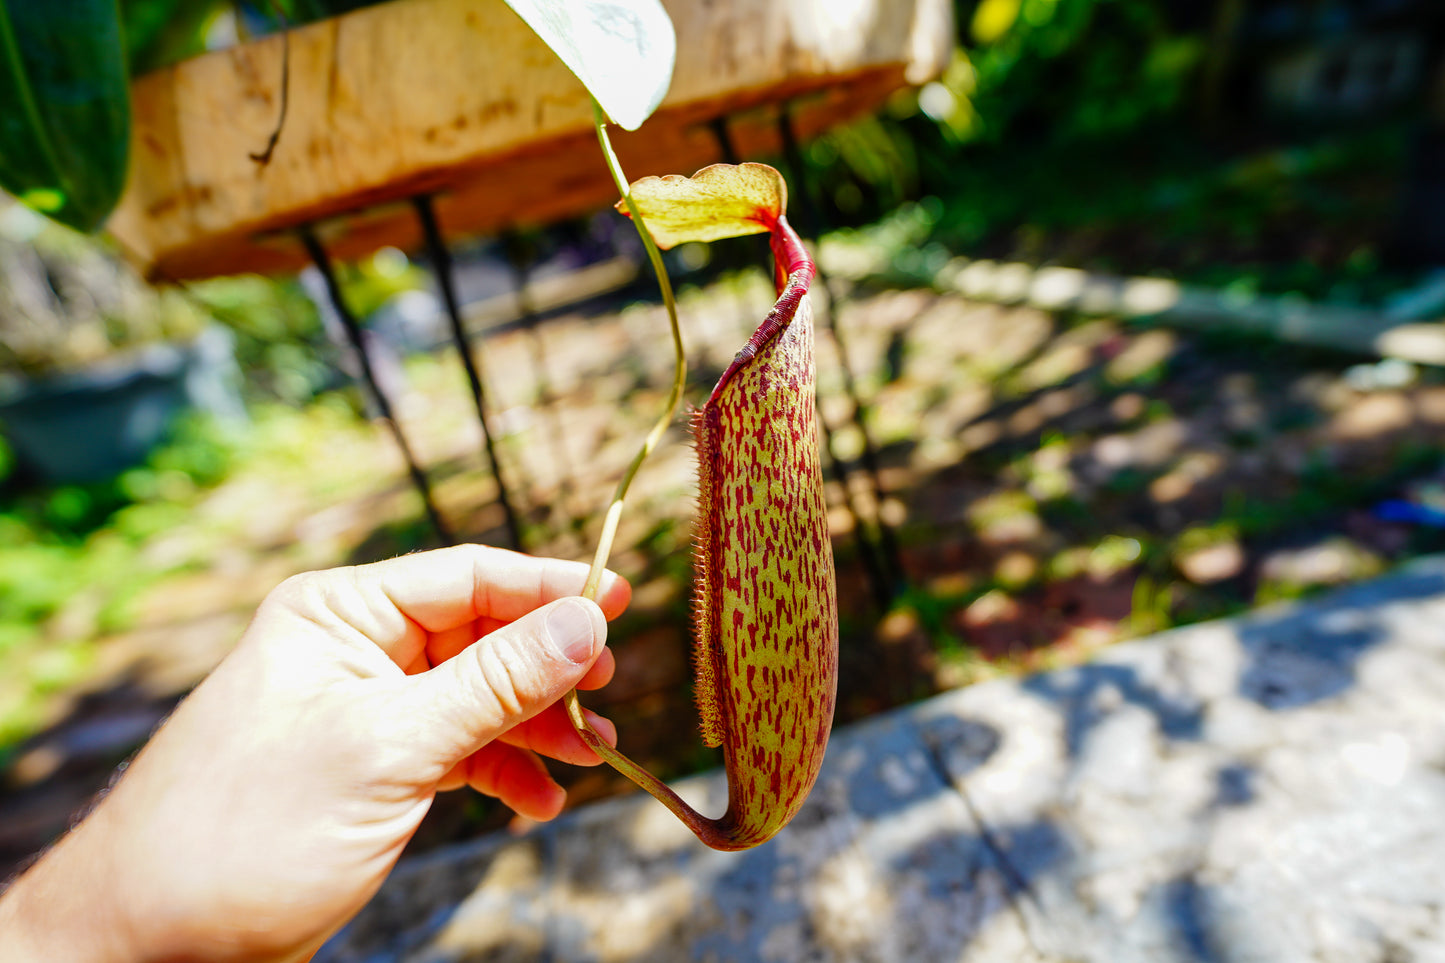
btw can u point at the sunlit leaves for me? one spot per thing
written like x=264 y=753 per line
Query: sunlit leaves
x=993 y=18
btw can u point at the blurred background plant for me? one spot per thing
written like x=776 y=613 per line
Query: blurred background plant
x=66 y=303
x=1265 y=145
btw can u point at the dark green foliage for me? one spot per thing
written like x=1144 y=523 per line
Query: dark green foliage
x=160 y=32
x=64 y=107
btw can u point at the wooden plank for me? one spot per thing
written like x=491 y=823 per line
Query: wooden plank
x=460 y=99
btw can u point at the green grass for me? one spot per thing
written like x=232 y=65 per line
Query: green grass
x=75 y=559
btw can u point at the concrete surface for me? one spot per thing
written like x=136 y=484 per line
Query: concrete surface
x=1270 y=788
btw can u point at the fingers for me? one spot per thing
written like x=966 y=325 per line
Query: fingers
x=449 y=645
x=446 y=599
x=516 y=777
x=454 y=586
x=601 y=672
x=510 y=769
x=551 y=734
x=506 y=678
x=445 y=645
x=495 y=770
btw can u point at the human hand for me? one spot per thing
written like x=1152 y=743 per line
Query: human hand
x=277 y=797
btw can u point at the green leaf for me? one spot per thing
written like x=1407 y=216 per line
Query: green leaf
x=723 y=200
x=64 y=107
x=159 y=33
x=621 y=50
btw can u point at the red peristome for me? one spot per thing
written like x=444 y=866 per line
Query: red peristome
x=793 y=273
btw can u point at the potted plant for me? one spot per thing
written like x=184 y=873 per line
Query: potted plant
x=96 y=365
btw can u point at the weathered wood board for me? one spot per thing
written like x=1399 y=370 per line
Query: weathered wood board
x=458 y=98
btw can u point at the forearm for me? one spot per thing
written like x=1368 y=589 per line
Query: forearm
x=63 y=908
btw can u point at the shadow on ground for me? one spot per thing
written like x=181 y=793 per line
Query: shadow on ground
x=1054 y=484
x=1253 y=789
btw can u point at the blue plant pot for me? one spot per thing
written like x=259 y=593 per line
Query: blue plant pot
x=90 y=425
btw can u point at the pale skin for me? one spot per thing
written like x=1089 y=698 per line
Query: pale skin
x=274 y=801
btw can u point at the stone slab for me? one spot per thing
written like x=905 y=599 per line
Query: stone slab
x=1270 y=788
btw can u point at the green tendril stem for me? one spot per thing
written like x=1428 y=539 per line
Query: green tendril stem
x=679 y=374
x=705 y=828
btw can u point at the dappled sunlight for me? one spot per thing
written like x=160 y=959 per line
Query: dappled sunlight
x=1058 y=288
x=1005 y=517
x=1128 y=321
x=1213 y=561
x=1150 y=446
x=1185 y=475
x=1069 y=353
x=1054 y=483
x=1142 y=356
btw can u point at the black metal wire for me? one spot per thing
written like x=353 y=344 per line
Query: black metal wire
x=441 y=261
x=812 y=225
x=874 y=570
x=519 y=255
x=723 y=135
x=368 y=374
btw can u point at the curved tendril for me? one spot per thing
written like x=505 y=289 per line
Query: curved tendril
x=679 y=373
x=695 y=821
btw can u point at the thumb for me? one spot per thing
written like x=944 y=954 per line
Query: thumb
x=509 y=676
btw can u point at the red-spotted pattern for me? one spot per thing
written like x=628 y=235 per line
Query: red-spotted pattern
x=766 y=603
x=766 y=612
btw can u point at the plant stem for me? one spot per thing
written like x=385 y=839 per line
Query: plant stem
x=679 y=374
x=705 y=828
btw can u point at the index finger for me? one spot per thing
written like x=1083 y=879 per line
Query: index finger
x=448 y=587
